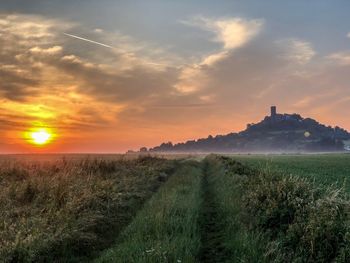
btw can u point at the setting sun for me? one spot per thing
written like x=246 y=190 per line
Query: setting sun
x=39 y=136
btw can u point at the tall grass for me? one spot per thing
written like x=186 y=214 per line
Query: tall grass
x=166 y=230
x=300 y=222
x=240 y=243
x=68 y=210
x=215 y=210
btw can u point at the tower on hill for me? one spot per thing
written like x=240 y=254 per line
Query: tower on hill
x=273 y=112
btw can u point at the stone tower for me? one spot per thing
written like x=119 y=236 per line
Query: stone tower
x=273 y=111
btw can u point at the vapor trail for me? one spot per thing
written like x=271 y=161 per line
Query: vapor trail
x=120 y=51
x=88 y=40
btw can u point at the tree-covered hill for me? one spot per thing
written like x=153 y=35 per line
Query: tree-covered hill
x=275 y=133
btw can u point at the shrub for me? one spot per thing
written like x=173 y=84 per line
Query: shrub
x=272 y=202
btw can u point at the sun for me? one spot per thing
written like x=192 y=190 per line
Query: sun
x=39 y=136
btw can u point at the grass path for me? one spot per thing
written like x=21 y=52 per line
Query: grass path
x=166 y=230
x=236 y=242
x=193 y=218
x=211 y=224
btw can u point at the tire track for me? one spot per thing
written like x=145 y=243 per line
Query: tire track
x=211 y=224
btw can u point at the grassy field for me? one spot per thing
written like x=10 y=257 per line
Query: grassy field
x=68 y=210
x=294 y=218
x=324 y=169
x=179 y=209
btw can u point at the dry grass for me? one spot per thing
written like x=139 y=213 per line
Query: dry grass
x=68 y=209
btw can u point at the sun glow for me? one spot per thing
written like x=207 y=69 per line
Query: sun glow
x=39 y=136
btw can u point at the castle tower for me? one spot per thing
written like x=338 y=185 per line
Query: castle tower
x=273 y=111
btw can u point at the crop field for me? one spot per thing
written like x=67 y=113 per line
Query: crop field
x=323 y=169
x=238 y=208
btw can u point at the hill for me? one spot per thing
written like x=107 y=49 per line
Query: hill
x=275 y=133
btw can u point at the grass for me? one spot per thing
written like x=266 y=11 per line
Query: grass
x=299 y=222
x=213 y=209
x=68 y=210
x=237 y=242
x=323 y=169
x=166 y=230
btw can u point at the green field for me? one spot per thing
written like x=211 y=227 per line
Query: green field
x=323 y=169
x=237 y=208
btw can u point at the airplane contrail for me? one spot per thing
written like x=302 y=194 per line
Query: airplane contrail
x=88 y=40
x=120 y=51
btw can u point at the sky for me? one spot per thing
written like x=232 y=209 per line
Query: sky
x=107 y=76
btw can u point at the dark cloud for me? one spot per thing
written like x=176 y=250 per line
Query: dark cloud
x=20 y=75
x=14 y=86
x=129 y=85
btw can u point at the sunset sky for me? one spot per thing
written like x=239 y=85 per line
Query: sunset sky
x=156 y=71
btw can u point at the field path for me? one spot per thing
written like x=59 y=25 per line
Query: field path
x=194 y=217
x=166 y=229
x=211 y=224
x=183 y=222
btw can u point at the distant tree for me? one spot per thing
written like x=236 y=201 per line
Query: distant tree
x=143 y=149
